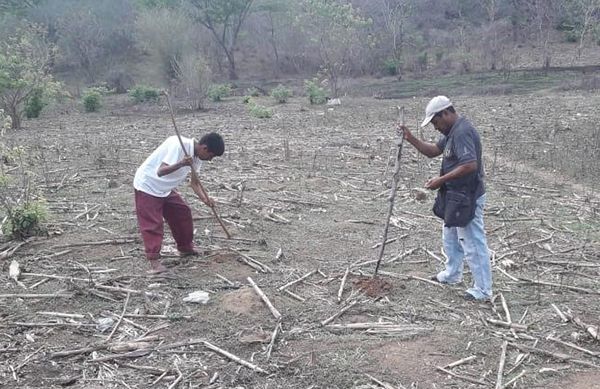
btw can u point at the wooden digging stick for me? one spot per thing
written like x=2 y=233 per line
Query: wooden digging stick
x=194 y=175
x=395 y=180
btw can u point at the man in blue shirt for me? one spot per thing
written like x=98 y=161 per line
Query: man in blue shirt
x=461 y=172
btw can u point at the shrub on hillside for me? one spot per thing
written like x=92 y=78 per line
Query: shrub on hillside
x=26 y=220
x=316 y=94
x=92 y=100
x=35 y=103
x=144 y=93
x=391 y=66
x=258 y=111
x=281 y=94
x=218 y=92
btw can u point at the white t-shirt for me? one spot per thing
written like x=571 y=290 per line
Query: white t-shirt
x=146 y=178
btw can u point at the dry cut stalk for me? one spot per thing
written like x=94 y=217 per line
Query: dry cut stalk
x=120 y=318
x=558 y=356
x=592 y=330
x=515 y=326
x=297 y=280
x=272 y=342
x=461 y=361
x=521 y=374
x=265 y=299
x=234 y=358
x=263 y=268
x=294 y=295
x=460 y=377
x=574 y=346
x=384 y=385
x=560 y=314
x=500 y=374
x=570 y=287
x=35 y=296
x=339 y=313
x=178 y=379
x=341 y=290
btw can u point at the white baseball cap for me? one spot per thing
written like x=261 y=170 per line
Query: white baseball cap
x=435 y=105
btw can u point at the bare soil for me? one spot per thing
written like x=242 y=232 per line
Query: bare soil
x=310 y=183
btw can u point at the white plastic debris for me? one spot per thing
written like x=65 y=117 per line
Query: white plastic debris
x=14 y=271
x=199 y=296
x=104 y=323
x=334 y=102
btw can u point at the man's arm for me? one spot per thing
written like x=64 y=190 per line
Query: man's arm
x=165 y=169
x=458 y=172
x=430 y=150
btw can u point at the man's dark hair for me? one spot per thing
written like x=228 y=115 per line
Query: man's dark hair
x=214 y=143
x=449 y=109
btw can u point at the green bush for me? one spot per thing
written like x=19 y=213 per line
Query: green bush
x=571 y=36
x=259 y=111
x=218 y=92
x=35 y=103
x=390 y=66
x=422 y=60
x=144 y=93
x=316 y=94
x=26 y=220
x=281 y=94
x=92 y=100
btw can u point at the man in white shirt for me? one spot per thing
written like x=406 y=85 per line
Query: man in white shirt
x=156 y=197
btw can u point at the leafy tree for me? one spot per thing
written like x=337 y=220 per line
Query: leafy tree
x=24 y=70
x=93 y=36
x=148 y=4
x=17 y=7
x=277 y=15
x=194 y=77
x=395 y=15
x=333 y=26
x=166 y=35
x=224 y=19
x=586 y=14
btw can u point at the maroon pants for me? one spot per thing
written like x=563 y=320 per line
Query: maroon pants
x=150 y=213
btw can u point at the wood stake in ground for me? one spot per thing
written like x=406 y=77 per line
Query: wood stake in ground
x=392 y=197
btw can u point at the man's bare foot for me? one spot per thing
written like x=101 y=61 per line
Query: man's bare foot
x=157 y=267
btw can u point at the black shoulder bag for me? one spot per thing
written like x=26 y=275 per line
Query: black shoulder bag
x=456 y=207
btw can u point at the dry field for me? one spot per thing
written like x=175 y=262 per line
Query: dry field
x=304 y=194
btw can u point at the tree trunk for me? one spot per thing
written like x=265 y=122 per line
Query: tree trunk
x=15 y=119
x=231 y=62
x=274 y=42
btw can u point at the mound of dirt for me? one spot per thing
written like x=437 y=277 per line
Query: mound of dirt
x=242 y=301
x=373 y=287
